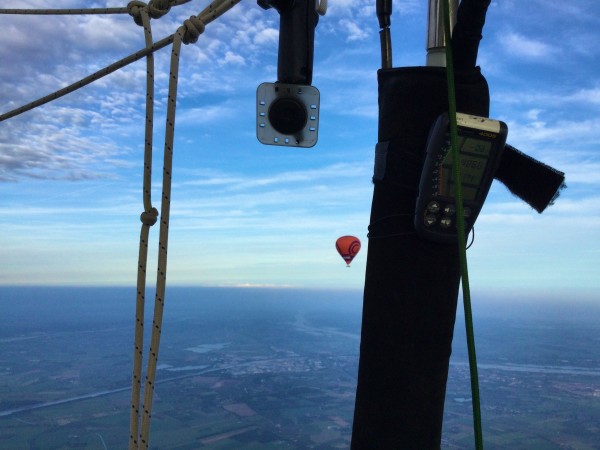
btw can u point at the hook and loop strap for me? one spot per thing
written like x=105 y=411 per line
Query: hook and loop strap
x=462 y=252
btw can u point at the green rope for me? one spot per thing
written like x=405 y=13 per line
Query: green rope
x=460 y=225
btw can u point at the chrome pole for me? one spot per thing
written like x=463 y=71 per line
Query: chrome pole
x=436 y=42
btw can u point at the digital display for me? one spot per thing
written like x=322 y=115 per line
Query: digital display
x=480 y=142
x=474 y=154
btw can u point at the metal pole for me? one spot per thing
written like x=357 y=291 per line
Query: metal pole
x=436 y=42
x=384 y=11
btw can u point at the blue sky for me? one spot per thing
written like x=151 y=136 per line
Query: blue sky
x=245 y=214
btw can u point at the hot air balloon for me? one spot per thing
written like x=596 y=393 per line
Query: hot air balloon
x=347 y=247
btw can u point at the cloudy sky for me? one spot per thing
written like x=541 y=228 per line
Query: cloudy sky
x=248 y=214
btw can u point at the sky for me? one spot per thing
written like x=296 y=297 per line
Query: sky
x=247 y=214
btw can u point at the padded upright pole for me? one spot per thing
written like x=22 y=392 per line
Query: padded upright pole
x=411 y=285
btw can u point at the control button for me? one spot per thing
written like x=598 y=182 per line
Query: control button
x=433 y=207
x=429 y=220
x=450 y=209
x=467 y=211
x=446 y=222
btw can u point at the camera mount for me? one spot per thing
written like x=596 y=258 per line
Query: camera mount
x=287 y=112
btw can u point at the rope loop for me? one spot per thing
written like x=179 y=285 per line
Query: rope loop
x=149 y=217
x=192 y=29
x=134 y=8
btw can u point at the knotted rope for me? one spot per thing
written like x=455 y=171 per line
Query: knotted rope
x=191 y=30
x=148 y=218
x=155 y=9
x=210 y=13
x=188 y=32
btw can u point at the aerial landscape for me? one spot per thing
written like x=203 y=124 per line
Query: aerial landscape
x=275 y=368
x=260 y=341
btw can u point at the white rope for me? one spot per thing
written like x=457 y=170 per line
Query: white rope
x=148 y=218
x=51 y=12
x=153 y=5
x=89 y=79
x=189 y=32
x=161 y=276
x=210 y=13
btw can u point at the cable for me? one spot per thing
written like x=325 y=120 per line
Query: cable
x=472 y=238
x=460 y=225
x=384 y=219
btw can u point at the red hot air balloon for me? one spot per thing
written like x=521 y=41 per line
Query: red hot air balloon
x=347 y=247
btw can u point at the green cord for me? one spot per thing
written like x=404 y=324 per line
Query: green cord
x=460 y=225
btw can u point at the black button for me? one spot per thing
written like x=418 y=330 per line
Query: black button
x=429 y=220
x=287 y=115
x=433 y=207
x=449 y=209
x=446 y=222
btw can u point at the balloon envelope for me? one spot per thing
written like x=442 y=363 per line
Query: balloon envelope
x=348 y=247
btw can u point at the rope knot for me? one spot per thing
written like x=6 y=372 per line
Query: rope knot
x=192 y=29
x=134 y=8
x=149 y=217
x=158 y=8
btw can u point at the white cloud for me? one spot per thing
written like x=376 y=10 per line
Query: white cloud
x=565 y=209
x=266 y=36
x=64 y=142
x=559 y=131
x=578 y=168
x=337 y=172
x=554 y=96
x=206 y=114
x=353 y=31
x=92 y=30
x=233 y=59
x=405 y=7
x=534 y=114
x=522 y=46
x=341 y=7
x=591 y=95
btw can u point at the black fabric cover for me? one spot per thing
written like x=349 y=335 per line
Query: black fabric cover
x=411 y=284
x=529 y=179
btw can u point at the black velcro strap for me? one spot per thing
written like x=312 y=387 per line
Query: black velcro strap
x=529 y=179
